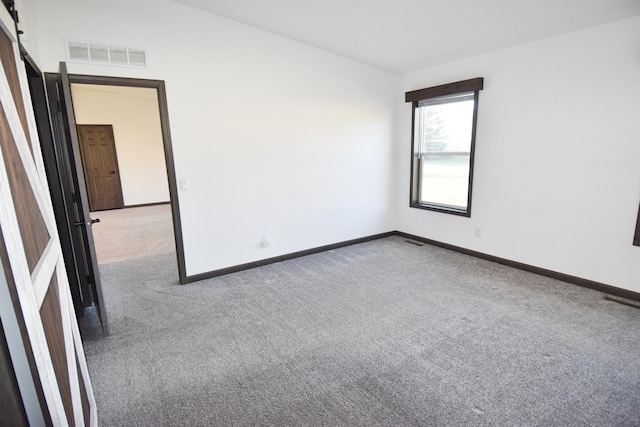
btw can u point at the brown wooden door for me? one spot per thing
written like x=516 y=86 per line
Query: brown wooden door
x=100 y=164
x=31 y=254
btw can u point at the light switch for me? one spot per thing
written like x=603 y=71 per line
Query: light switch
x=184 y=185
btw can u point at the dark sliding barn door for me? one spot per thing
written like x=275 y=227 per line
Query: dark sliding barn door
x=31 y=253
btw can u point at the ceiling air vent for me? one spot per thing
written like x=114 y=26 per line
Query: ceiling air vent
x=118 y=55
x=137 y=57
x=78 y=51
x=106 y=54
x=99 y=52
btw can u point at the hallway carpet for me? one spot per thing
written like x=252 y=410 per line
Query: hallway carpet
x=384 y=333
x=131 y=233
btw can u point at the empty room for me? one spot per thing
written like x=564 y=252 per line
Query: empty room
x=356 y=213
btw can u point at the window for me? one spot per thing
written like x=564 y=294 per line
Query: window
x=443 y=140
x=636 y=237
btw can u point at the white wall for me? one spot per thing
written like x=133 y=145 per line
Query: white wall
x=557 y=171
x=28 y=25
x=134 y=114
x=279 y=138
x=274 y=137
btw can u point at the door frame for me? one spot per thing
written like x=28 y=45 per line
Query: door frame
x=54 y=173
x=159 y=86
x=85 y=164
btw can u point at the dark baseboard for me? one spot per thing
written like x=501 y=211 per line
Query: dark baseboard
x=601 y=287
x=262 y=262
x=585 y=283
x=144 y=205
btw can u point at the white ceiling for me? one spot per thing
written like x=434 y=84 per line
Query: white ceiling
x=403 y=35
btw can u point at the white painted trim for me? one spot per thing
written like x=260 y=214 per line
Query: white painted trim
x=67 y=315
x=84 y=370
x=42 y=273
x=19 y=359
x=7 y=24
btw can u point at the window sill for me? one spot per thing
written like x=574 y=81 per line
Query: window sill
x=441 y=208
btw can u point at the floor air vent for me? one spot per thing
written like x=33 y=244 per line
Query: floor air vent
x=106 y=54
x=413 y=243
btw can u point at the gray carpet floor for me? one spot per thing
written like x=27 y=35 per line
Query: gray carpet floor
x=383 y=333
x=129 y=233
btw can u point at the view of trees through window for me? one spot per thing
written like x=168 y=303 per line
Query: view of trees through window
x=445 y=133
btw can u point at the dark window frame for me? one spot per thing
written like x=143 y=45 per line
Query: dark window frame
x=636 y=237
x=472 y=85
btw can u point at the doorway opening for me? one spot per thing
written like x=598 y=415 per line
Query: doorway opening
x=68 y=182
x=136 y=112
x=125 y=166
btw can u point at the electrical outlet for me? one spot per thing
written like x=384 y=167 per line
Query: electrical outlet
x=478 y=232
x=264 y=241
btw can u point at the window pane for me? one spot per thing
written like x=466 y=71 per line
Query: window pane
x=444 y=135
x=445 y=180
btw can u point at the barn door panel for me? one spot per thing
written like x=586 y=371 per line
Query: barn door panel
x=33 y=252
